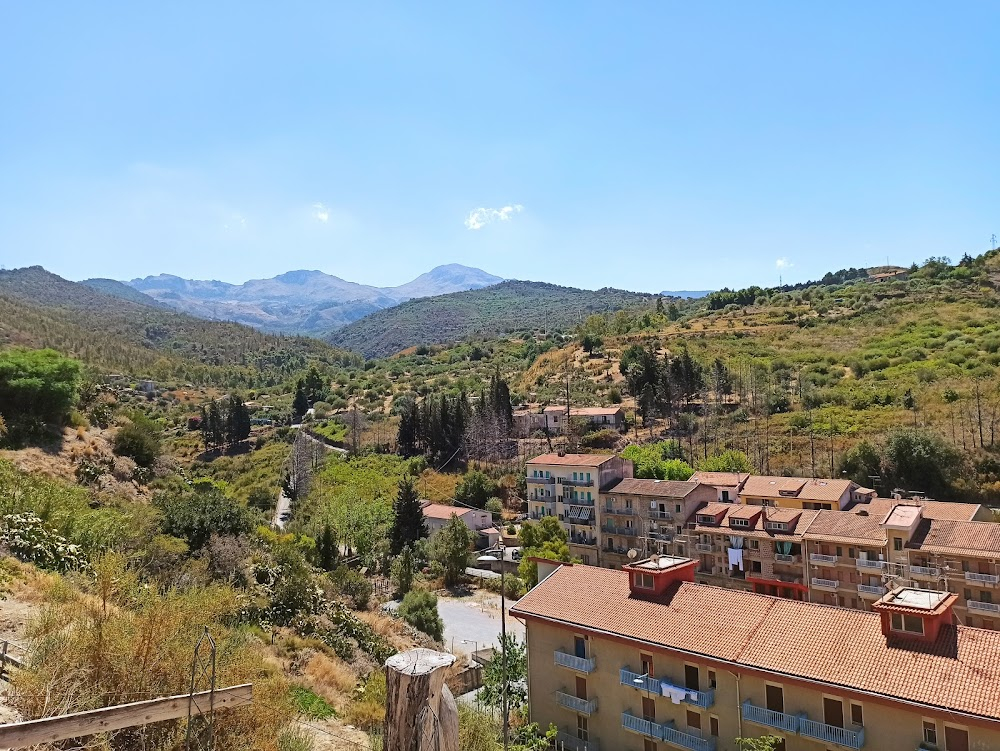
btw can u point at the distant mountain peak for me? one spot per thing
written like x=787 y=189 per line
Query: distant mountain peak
x=299 y=277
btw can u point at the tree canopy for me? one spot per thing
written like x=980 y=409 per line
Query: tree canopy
x=37 y=386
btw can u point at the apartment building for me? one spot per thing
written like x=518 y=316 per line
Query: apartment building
x=569 y=487
x=665 y=663
x=851 y=558
x=786 y=492
x=646 y=516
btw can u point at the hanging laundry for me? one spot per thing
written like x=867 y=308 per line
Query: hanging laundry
x=736 y=558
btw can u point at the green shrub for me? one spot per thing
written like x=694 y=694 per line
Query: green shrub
x=419 y=609
x=353 y=586
x=310 y=704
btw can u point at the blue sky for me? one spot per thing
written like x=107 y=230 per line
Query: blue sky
x=649 y=146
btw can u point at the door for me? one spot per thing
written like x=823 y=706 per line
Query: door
x=833 y=712
x=775 y=697
x=691 y=677
x=956 y=739
x=580 y=648
x=648 y=709
x=581 y=688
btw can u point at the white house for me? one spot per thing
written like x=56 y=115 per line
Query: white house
x=437 y=515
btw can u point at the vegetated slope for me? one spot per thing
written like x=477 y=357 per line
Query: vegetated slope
x=303 y=302
x=40 y=309
x=119 y=289
x=503 y=308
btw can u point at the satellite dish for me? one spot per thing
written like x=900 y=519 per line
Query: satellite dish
x=632 y=553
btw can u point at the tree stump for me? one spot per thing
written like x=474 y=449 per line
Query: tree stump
x=420 y=711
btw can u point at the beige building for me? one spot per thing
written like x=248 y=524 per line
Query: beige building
x=785 y=492
x=437 y=515
x=663 y=663
x=851 y=558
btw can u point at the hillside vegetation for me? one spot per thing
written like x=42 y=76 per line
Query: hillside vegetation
x=505 y=308
x=39 y=309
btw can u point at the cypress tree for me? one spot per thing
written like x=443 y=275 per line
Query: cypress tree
x=408 y=523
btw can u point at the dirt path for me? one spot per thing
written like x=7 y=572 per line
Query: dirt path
x=15 y=615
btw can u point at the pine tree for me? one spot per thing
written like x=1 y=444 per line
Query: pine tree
x=408 y=523
x=327 y=549
x=300 y=405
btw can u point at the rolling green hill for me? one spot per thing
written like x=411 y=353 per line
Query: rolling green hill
x=109 y=333
x=504 y=308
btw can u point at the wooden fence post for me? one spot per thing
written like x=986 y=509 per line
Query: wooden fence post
x=420 y=711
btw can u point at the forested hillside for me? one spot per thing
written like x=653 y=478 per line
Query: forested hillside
x=39 y=309
x=512 y=306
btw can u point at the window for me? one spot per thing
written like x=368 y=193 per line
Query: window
x=776 y=526
x=643 y=581
x=956 y=739
x=677 y=508
x=968 y=593
x=725 y=496
x=706 y=519
x=769 y=503
x=985 y=596
x=713 y=726
x=897 y=543
x=857 y=714
x=693 y=720
x=840 y=551
x=754 y=545
x=582 y=729
x=711 y=679
x=774 y=698
x=646 y=661
x=930 y=732
x=628 y=502
x=909 y=623
x=739 y=522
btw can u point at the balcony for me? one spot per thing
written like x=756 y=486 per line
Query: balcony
x=654 y=514
x=581 y=483
x=579 y=664
x=614 y=529
x=761 y=716
x=869 y=565
x=638 y=725
x=570 y=501
x=846 y=737
x=785 y=558
x=572 y=743
x=704 y=547
x=590 y=542
x=582 y=706
x=661 y=535
x=822 y=558
x=928 y=572
x=984 y=607
x=871 y=591
x=703 y=699
x=620 y=511
x=681 y=739
x=542 y=480
x=982 y=579
x=830 y=584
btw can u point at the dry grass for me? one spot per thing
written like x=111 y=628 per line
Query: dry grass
x=331 y=678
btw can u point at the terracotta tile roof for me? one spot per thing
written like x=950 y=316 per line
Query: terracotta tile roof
x=714 y=509
x=765 y=486
x=785 y=515
x=744 y=512
x=722 y=479
x=658 y=488
x=573 y=460
x=824 y=490
x=846 y=528
x=880 y=507
x=440 y=511
x=836 y=646
x=957 y=538
x=759 y=530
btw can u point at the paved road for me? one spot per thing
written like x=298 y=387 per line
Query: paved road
x=284 y=504
x=475 y=619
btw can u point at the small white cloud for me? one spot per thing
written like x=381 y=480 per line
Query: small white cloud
x=783 y=263
x=235 y=222
x=321 y=212
x=479 y=218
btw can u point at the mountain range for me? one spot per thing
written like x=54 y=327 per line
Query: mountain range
x=299 y=302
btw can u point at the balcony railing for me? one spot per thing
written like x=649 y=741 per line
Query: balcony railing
x=986 y=607
x=583 y=706
x=846 y=737
x=620 y=511
x=570 y=501
x=972 y=576
x=825 y=583
x=579 y=664
x=869 y=564
x=685 y=740
x=822 y=558
x=704 y=547
x=661 y=535
x=542 y=480
x=614 y=529
x=932 y=571
x=787 y=722
x=703 y=699
x=579 y=540
x=785 y=558
x=871 y=589
x=581 y=483
x=644 y=727
x=655 y=514
x=572 y=743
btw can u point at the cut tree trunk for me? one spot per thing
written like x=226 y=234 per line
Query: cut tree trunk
x=420 y=711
